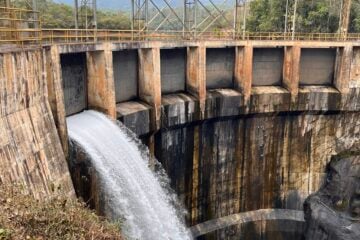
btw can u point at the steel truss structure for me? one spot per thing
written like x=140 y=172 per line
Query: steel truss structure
x=190 y=17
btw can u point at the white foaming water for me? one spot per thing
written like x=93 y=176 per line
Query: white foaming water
x=131 y=189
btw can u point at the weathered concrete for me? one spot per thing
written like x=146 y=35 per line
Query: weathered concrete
x=224 y=103
x=149 y=81
x=317 y=66
x=318 y=98
x=243 y=70
x=220 y=67
x=291 y=70
x=343 y=68
x=136 y=116
x=269 y=99
x=126 y=75
x=173 y=70
x=74 y=81
x=355 y=69
x=268 y=66
x=229 y=151
x=251 y=216
x=196 y=74
x=86 y=180
x=178 y=109
x=30 y=148
x=56 y=93
x=101 y=89
x=281 y=157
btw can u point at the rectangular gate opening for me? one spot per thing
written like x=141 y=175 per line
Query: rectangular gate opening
x=125 y=64
x=355 y=67
x=220 y=64
x=317 y=66
x=173 y=70
x=268 y=66
x=74 y=75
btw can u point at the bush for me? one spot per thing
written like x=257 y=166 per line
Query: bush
x=58 y=217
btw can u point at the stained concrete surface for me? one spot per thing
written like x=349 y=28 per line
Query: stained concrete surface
x=173 y=70
x=317 y=66
x=268 y=66
x=73 y=67
x=220 y=64
x=125 y=65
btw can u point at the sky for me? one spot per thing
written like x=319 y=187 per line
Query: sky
x=126 y=4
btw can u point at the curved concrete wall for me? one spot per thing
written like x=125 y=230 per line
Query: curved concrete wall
x=240 y=148
x=279 y=224
x=30 y=148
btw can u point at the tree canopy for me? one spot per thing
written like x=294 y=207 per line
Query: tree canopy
x=312 y=15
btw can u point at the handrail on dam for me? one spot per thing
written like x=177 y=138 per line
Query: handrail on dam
x=22 y=26
x=101 y=35
x=19 y=26
x=68 y=36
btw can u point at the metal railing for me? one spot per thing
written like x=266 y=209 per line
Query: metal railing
x=19 y=26
x=72 y=36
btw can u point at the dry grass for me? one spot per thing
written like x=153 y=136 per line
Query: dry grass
x=23 y=217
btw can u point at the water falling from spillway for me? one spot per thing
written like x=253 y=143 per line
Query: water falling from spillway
x=132 y=190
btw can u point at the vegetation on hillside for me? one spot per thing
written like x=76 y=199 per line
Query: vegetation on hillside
x=57 y=15
x=23 y=217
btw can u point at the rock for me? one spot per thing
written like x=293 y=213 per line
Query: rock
x=333 y=212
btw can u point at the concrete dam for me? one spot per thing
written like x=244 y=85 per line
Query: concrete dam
x=245 y=130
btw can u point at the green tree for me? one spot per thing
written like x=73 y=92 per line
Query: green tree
x=312 y=16
x=56 y=15
x=355 y=17
x=113 y=20
x=318 y=16
x=266 y=16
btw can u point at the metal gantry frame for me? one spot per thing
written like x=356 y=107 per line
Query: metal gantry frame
x=85 y=14
x=193 y=18
x=189 y=16
x=240 y=15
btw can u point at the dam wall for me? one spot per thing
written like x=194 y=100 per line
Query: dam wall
x=30 y=149
x=238 y=126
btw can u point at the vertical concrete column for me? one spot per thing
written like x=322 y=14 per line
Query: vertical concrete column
x=243 y=70
x=56 y=94
x=291 y=70
x=149 y=81
x=196 y=74
x=343 y=68
x=101 y=85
